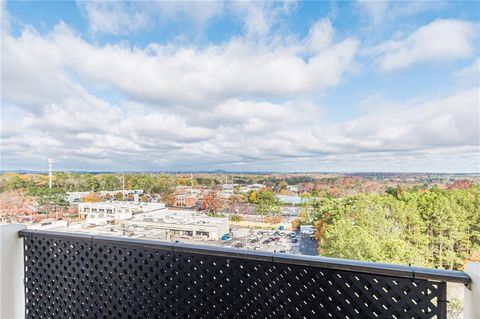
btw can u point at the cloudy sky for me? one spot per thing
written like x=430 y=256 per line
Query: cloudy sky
x=244 y=86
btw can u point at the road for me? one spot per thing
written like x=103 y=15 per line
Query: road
x=305 y=246
x=308 y=246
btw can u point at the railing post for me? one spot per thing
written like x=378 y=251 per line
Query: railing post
x=12 y=293
x=471 y=308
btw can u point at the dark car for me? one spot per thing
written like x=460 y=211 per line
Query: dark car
x=267 y=241
x=294 y=240
x=255 y=240
x=239 y=245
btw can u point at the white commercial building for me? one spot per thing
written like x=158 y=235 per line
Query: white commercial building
x=103 y=212
x=75 y=197
x=181 y=223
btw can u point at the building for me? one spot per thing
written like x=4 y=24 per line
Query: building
x=181 y=223
x=306 y=230
x=104 y=212
x=76 y=197
x=289 y=200
x=251 y=187
x=185 y=200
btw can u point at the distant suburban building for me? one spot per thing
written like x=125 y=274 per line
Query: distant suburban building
x=306 y=229
x=251 y=187
x=185 y=200
x=290 y=200
x=181 y=223
x=103 y=212
x=76 y=197
x=292 y=188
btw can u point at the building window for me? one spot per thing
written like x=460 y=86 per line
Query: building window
x=202 y=233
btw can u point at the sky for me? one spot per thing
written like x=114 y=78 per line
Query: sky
x=357 y=86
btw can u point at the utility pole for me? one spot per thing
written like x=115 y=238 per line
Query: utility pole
x=123 y=186
x=50 y=163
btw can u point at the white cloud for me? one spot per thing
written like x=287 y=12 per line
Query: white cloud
x=123 y=17
x=440 y=40
x=240 y=103
x=4 y=18
x=375 y=10
x=386 y=11
x=179 y=75
x=114 y=17
x=471 y=72
x=320 y=37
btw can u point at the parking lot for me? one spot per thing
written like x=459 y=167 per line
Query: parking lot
x=278 y=241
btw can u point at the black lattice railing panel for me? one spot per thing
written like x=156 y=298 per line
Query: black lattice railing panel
x=81 y=277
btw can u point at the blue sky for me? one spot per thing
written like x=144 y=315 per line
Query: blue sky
x=277 y=86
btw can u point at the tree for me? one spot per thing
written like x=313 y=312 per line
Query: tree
x=92 y=183
x=91 y=197
x=233 y=204
x=265 y=202
x=305 y=216
x=252 y=197
x=394 y=191
x=211 y=202
x=119 y=196
x=49 y=200
x=282 y=187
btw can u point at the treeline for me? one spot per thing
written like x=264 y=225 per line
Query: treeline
x=434 y=228
x=150 y=183
x=76 y=182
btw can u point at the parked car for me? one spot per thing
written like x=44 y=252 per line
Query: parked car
x=294 y=240
x=282 y=251
x=276 y=238
x=267 y=241
x=254 y=240
x=293 y=235
x=239 y=245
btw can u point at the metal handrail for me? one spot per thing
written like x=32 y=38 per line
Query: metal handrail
x=356 y=266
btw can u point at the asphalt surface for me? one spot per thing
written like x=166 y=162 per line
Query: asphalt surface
x=305 y=246
x=308 y=246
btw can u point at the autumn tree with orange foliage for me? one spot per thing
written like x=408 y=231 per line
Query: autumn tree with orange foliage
x=211 y=202
x=91 y=198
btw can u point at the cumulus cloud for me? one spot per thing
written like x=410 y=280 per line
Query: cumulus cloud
x=378 y=12
x=178 y=75
x=123 y=17
x=471 y=72
x=243 y=104
x=440 y=40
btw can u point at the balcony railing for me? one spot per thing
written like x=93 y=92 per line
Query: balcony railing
x=82 y=276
